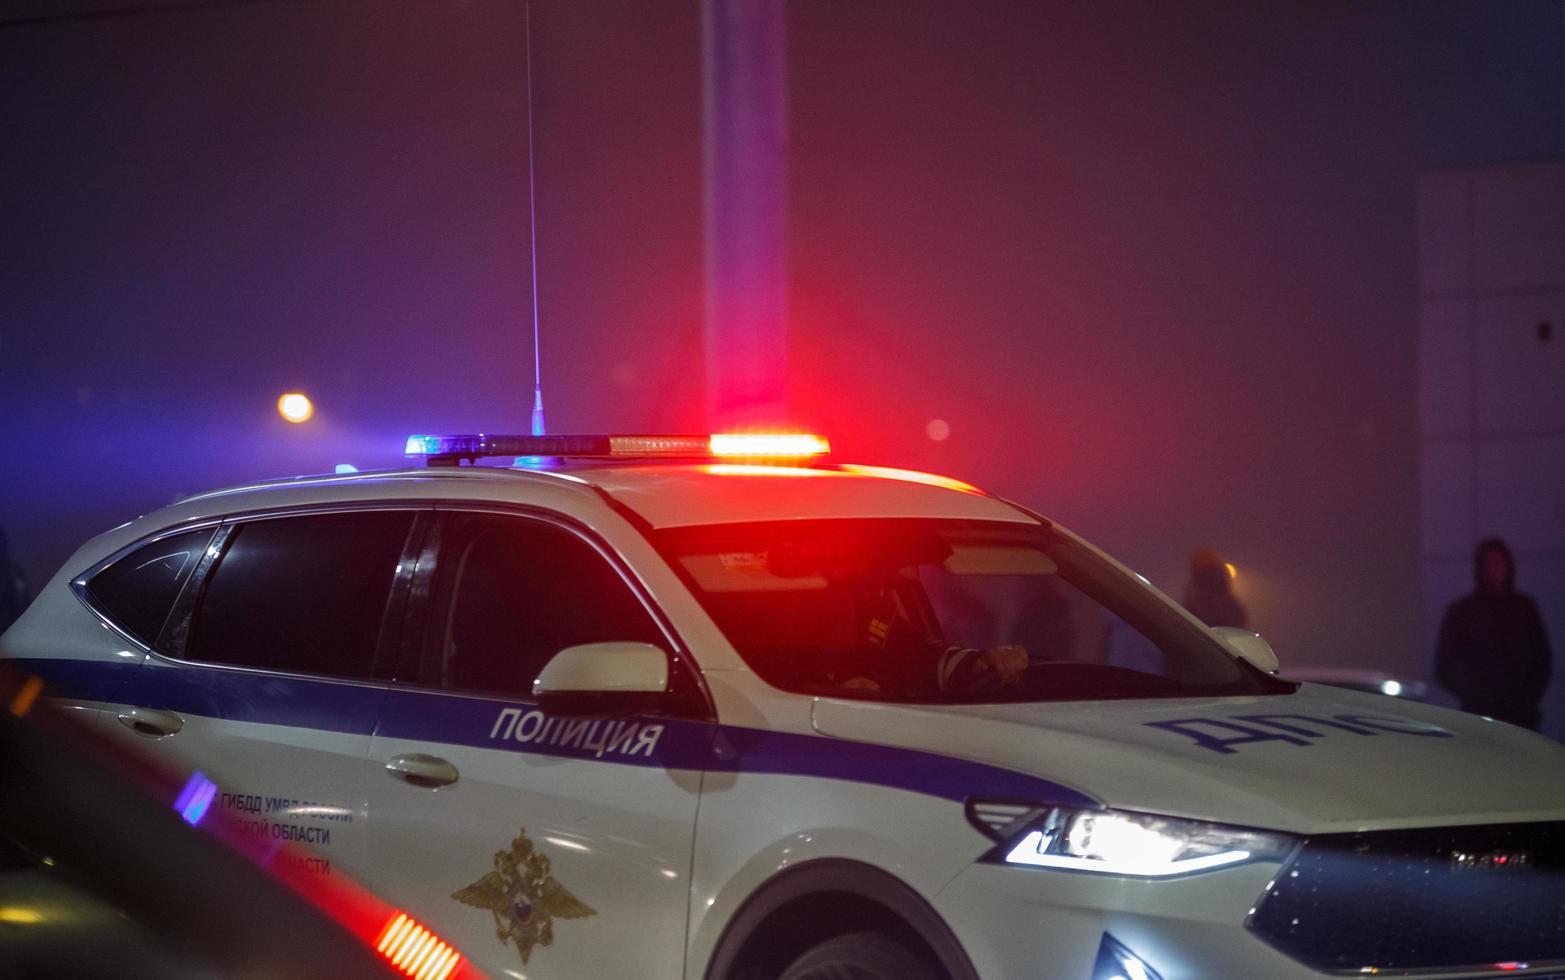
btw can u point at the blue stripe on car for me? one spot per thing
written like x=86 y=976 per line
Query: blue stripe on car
x=455 y=719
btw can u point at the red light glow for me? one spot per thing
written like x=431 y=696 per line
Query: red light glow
x=415 y=951
x=910 y=476
x=769 y=445
x=758 y=469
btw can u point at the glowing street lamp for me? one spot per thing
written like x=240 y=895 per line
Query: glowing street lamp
x=295 y=407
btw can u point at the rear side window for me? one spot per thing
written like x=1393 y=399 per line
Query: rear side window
x=301 y=594
x=510 y=593
x=139 y=590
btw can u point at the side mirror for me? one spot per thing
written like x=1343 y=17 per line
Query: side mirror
x=1249 y=646
x=600 y=680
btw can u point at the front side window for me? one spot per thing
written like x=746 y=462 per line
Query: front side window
x=946 y=612
x=139 y=589
x=510 y=593
x=301 y=594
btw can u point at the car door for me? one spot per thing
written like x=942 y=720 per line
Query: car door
x=264 y=675
x=542 y=846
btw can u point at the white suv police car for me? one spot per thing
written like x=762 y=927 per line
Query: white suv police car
x=717 y=708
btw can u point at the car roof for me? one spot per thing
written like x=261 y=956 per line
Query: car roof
x=717 y=493
x=663 y=494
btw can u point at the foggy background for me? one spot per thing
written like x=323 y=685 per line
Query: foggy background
x=1153 y=265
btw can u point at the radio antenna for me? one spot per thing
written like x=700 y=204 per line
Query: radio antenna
x=532 y=224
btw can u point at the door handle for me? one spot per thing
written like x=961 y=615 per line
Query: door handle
x=151 y=722
x=425 y=771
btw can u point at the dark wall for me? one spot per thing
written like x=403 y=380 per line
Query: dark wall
x=1152 y=262
x=1491 y=80
x=205 y=208
x=1153 y=265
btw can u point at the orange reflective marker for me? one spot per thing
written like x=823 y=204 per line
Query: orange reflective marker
x=23 y=702
x=415 y=951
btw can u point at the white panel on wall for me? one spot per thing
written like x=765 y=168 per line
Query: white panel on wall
x=1543 y=578
x=1519 y=226
x=1445 y=368
x=1443 y=231
x=1446 y=482
x=1520 y=482
x=1492 y=392
x=1521 y=379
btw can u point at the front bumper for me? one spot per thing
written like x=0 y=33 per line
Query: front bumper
x=1042 y=925
x=1029 y=924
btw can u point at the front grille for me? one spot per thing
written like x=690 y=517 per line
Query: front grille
x=1446 y=897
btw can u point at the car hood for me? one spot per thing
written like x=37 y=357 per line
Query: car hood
x=1318 y=760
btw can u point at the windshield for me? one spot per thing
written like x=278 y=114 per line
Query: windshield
x=946 y=612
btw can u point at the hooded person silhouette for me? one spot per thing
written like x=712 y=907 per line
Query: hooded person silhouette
x=1209 y=592
x=1493 y=653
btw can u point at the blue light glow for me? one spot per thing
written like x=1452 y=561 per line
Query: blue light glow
x=196 y=798
x=422 y=445
x=346 y=468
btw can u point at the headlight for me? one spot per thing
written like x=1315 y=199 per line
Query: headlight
x=1118 y=842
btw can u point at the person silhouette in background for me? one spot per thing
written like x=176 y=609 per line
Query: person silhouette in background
x=1209 y=592
x=13 y=585
x=1493 y=653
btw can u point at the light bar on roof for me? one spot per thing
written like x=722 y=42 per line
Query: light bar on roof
x=768 y=445
x=757 y=445
x=481 y=445
x=659 y=445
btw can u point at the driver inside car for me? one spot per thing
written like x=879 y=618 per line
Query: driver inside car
x=898 y=647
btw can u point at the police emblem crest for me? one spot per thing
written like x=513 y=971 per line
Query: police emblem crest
x=523 y=897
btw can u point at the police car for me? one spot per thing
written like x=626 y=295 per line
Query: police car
x=718 y=707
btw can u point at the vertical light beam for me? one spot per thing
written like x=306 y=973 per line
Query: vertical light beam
x=746 y=227
x=538 y=426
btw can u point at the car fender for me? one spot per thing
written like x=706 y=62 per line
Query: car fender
x=838 y=875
